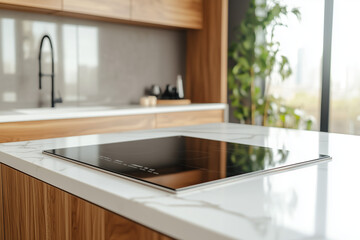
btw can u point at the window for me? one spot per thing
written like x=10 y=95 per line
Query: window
x=345 y=71
x=302 y=43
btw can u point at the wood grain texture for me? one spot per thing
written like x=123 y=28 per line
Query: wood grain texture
x=173 y=102
x=152 y=13
x=206 y=59
x=183 y=13
x=31 y=130
x=35 y=210
x=121 y=228
x=1 y=210
x=87 y=220
x=57 y=211
x=23 y=206
x=175 y=119
x=41 y=4
x=119 y=9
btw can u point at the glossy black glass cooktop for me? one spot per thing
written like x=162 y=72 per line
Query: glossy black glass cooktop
x=182 y=163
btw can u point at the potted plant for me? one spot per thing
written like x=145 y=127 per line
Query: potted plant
x=256 y=56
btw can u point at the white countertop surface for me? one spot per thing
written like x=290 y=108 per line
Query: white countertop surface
x=315 y=202
x=36 y=114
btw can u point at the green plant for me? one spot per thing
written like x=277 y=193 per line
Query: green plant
x=256 y=56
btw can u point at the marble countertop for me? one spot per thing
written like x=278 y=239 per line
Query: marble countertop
x=36 y=114
x=314 y=202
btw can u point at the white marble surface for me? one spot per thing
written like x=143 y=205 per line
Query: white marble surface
x=315 y=202
x=35 y=114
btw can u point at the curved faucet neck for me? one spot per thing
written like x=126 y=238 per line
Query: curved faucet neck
x=52 y=75
x=40 y=57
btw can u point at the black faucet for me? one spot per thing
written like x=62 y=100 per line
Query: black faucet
x=52 y=75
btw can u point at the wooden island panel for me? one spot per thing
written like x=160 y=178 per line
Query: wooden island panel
x=34 y=210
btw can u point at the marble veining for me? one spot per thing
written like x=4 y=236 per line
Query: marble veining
x=315 y=202
x=178 y=201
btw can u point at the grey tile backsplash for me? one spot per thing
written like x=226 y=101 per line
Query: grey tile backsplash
x=96 y=63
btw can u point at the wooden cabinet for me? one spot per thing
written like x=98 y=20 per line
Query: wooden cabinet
x=35 y=210
x=32 y=130
x=40 y=4
x=183 y=13
x=171 y=13
x=118 y=9
x=206 y=55
x=176 y=119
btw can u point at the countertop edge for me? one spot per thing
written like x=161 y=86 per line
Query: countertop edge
x=128 y=111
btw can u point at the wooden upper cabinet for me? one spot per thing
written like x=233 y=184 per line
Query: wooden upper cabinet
x=172 y=13
x=206 y=56
x=117 y=9
x=176 y=13
x=38 y=4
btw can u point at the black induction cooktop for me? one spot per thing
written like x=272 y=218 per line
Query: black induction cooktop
x=180 y=163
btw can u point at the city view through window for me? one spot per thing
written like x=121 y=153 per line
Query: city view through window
x=345 y=71
x=302 y=43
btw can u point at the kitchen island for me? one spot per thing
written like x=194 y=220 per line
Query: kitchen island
x=315 y=202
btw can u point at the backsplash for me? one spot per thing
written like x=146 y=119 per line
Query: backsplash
x=96 y=63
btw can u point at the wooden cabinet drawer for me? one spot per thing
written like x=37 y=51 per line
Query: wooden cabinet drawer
x=176 y=119
x=32 y=130
x=119 y=9
x=23 y=131
x=177 y=13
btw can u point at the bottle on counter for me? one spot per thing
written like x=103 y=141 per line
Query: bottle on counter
x=179 y=85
